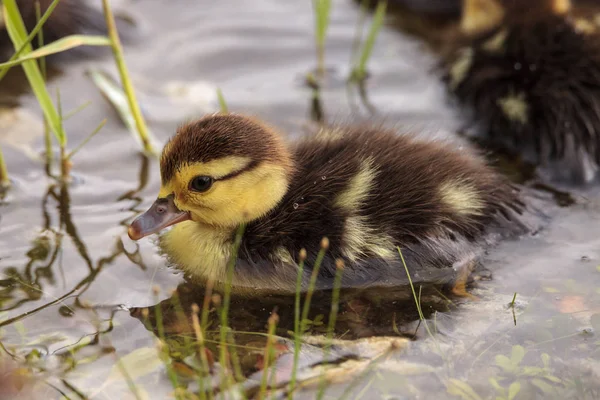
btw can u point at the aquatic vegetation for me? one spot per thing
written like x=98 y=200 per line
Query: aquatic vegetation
x=322 y=11
x=134 y=107
x=222 y=102
x=359 y=69
x=4 y=180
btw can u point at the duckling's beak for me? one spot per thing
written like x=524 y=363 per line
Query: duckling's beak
x=161 y=214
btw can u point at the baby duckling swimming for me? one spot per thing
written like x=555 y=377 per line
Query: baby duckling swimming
x=368 y=190
x=529 y=71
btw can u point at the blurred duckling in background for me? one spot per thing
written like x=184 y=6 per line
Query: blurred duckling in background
x=367 y=190
x=529 y=71
x=70 y=17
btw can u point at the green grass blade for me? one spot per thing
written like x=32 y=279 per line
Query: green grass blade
x=297 y=333
x=360 y=72
x=323 y=11
x=222 y=103
x=87 y=139
x=18 y=35
x=59 y=46
x=140 y=123
x=4 y=181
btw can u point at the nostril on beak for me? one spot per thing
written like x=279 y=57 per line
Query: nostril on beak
x=161 y=209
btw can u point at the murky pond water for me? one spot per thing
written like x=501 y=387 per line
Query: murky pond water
x=73 y=287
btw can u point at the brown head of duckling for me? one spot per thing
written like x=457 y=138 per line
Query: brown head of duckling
x=530 y=73
x=222 y=170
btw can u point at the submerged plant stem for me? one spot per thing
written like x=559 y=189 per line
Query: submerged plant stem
x=117 y=48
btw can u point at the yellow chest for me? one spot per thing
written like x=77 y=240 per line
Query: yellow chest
x=199 y=250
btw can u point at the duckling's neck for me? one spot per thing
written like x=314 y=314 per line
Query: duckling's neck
x=201 y=250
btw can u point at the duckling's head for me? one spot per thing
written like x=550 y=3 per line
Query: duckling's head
x=481 y=16
x=222 y=170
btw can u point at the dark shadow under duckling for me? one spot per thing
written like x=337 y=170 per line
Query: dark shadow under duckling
x=368 y=190
x=529 y=72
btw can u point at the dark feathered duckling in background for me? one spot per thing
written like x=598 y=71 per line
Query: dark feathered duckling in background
x=529 y=71
x=368 y=190
x=70 y=17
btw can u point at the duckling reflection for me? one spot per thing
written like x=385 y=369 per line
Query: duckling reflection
x=362 y=315
x=368 y=190
x=529 y=72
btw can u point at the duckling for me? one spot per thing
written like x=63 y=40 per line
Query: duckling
x=529 y=74
x=366 y=189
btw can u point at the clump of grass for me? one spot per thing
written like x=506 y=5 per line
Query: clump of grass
x=322 y=10
x=359 y=70
x=117 y=49
x=18 y=35
x=27 y=58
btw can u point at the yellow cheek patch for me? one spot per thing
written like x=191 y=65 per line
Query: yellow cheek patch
x=462 y=197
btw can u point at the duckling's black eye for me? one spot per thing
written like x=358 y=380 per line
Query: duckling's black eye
x=201 y=183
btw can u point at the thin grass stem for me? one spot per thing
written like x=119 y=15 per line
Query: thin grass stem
x=201 y=352
x=359 y=73
x=335 y=303
x=125 y=79
x=268 y=355
x=322 y=10
x=312 y=284
x=297 y=333
x=224 y=329
x=87 y=139
x=4 y=180
x=222 y=102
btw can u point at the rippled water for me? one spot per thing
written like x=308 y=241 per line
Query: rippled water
x=72 y=284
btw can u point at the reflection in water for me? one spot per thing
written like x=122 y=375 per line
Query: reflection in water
x=22 y=285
